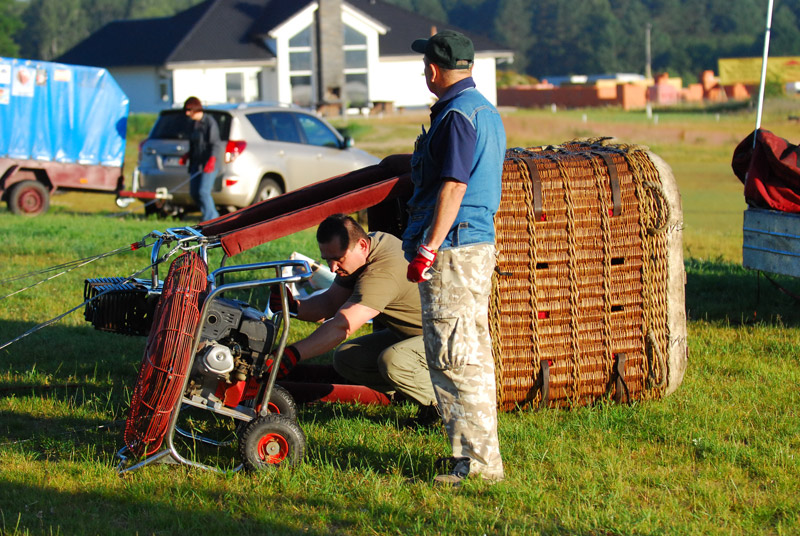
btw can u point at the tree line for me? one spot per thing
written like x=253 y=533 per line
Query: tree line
x=559 y=37
x=45 y=29
x=549 y=37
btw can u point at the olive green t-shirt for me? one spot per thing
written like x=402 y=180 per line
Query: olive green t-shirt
x=381 y=284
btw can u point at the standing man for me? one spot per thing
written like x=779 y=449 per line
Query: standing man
x=204 y=146
x=457 y=167
x=370 y=283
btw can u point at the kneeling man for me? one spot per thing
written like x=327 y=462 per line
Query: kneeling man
x=370 y=284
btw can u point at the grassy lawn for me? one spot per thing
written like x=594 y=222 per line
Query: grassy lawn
x=719 y=456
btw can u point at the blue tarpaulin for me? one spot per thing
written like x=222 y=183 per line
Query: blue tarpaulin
x=61 y=113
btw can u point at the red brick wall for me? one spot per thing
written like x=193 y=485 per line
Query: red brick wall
x=632 y=96
x=629 y=96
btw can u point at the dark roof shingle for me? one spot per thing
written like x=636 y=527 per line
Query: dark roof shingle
x=129 y=43
x=225 y=32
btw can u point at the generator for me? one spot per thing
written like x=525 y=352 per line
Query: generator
x=204 y=350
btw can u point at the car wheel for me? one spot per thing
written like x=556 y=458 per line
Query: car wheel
x=28 y=198
x=268 y=189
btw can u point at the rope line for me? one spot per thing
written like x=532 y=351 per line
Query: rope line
x=178 y=246
x=53 y=320
x=605 y=202
x=63 y=265
x=530 y=216
x=73 y=265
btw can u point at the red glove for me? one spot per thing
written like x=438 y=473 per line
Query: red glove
x=209 y=167
x=290 y=358
x=418 y=268
x=275 y=303
x=183 y=159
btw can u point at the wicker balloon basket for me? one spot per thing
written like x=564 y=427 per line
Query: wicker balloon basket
x=588 y=298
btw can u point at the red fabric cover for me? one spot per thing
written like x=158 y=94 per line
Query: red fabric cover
x=297 y=201
x=306 y=393
x=237 y=241
x=770 y=172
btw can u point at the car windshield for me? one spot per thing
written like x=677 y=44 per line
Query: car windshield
x=174 y=125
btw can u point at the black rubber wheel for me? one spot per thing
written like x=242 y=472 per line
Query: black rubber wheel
x=271 y=441
x=268 y=189
x=156 y=207
x=281 y=402
x=162 y=209
x=28 y=198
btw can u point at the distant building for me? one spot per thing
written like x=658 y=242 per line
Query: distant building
x=580 y=91
x=324 y=54
x=665 y=91
x=592 y=79
x=630 y=92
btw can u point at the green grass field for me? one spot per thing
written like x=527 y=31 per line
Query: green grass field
x=719 y=456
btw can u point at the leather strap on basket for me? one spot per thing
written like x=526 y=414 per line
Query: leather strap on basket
x=613 y=178
x=619 y=373
x=536 y=182
x=545 y=375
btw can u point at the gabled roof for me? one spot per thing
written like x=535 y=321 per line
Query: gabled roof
x=215 y=30
x=234 y=31
x=276 y=13
x=225 y=32
x=135 y=42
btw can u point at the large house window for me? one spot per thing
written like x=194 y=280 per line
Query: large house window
x=355 y=67
x=300 y=65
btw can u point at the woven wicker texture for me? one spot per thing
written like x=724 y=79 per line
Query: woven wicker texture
x=579 y=306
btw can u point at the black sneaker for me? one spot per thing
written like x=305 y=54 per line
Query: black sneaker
x=459 y=470
x=427 y=417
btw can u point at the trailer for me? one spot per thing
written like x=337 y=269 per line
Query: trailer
x=62 y=127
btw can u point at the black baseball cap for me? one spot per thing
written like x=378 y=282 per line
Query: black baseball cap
x=448 y=49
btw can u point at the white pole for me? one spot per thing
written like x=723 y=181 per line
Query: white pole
x=763 y=70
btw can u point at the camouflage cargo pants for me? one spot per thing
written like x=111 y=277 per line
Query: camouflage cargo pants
x=455 y=321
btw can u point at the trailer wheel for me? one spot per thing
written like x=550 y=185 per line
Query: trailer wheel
x=162 y=209
x=271 y=441
x=28 y=198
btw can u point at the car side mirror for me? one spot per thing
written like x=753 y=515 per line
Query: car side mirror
x=348 y=142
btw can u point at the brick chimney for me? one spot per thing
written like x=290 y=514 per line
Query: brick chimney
x=330 y=56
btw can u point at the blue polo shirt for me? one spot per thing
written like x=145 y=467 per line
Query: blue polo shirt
x=454 y=141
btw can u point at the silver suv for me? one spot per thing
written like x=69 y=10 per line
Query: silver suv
x=269 y=150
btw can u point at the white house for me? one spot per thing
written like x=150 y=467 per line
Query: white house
x=318 y=53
